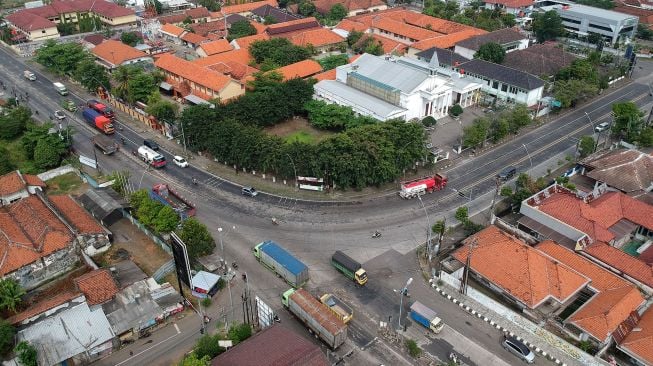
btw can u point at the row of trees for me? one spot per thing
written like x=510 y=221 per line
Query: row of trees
x=474 y=15
x=578 y=82
x=335 y=14
x=207 y=347
x=497 y=127
x=277 y=52
x=364 y=43
x=629 y=124
x=334 y=117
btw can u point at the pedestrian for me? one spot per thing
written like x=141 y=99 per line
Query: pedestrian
x=131 y=353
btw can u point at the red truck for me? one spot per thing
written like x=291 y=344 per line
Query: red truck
x=101 y=108
x=98 y=121
x=164 y=194
x=417 y=187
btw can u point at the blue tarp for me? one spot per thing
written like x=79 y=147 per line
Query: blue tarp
x=275 y=251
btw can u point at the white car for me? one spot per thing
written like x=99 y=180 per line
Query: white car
x=59 y=115
x=602 y=127
x=179 y=161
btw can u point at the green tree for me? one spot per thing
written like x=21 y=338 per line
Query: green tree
x=121 y=77
x=211 y=5
x=14 y=123
x=61 y=58
x=268 y=20
x=492 y=52
x=439 y=227
x=158 y=6
x=570 y=92
x=353 y=37
x=66 y=29
x=333 y=61
x=475 y=135
x=120 y=182
x=138 y=198
x=46 y=154
x=499 y=128
x=603 y=4
x=413 y=348
x=519 y=117
x=26 y=353
x=586 y=146
x=280 y=51
x=11 y=294
x=462 y=214
x=207 y=346
x=456 y=110
x=91 y=75
x=645 y=137
x=147 y=212
x=6 y=165
x=162 y=109
x=166 y=220
x=547 y=26
x=130 y=38
x=193 y=360
x=306 y=8
x=337 y=12
x=239 y=332
x=628 y=121
x=197 y=238
x=7 y=333
x=89 y=24
x=429 y=121
x=140 y=87
x=241 y=28
x=644 y=32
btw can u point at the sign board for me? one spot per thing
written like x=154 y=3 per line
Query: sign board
x=88 y=161
x=265 y=313
x=225 y=344
x=182 y=264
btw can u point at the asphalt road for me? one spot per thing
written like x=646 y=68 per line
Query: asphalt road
x=314 y=230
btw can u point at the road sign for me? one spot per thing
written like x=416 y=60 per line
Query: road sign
x=88 y=161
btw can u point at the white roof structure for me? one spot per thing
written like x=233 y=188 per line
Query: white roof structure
x=68 y=332
x=391 y=74
x=359 y=102
x=205 y=280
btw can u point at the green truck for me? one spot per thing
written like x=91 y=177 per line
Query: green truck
x=349 y=267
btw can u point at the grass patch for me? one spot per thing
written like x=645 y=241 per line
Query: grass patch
x=298 y=130
x=64 y=184
x=300 y=136
x=18 y=158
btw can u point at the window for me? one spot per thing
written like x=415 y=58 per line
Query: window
x=512 y=90
x=495 y=85
x=504 y=87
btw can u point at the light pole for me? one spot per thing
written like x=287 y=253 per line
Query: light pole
x=529 y=159
x=141 y=180
x=591 y=123
x=293 y=168
x=428 y=229
x=231 y=299
x=401 y=298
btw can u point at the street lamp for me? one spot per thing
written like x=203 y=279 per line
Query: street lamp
x=590 y=119
x=529 y=159
x=293 y=168
x=428 y=229
x=231 y=300
x=143 y=175
x=402 y=294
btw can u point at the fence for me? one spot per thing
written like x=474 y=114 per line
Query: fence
x=147 y=232
x=45 y=176
x=166 y=268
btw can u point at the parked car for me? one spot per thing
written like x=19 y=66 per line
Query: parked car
x=249 y=191
x=571 y=172
x=602 y=127
x=60 y=115
x=179 y=161
x=507 y=173
x=151 y=144
x=519 y=349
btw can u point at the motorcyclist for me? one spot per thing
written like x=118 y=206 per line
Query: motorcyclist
x=194 y=181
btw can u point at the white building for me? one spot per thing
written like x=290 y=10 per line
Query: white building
x=387 y=88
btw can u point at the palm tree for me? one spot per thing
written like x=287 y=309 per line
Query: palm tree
x=121 y=77
x=11 y=294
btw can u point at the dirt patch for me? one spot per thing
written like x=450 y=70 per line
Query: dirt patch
x=130 y=243
x=298 y=129
x=69 y=183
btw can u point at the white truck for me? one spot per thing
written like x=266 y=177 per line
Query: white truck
x=29 y=75
x=61 y=89
x=151 y=157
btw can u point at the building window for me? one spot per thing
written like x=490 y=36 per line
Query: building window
x=495 y=85
x=504 y=88
x=513 y=90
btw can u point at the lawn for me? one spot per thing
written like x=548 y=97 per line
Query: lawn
x=66 y=184
x=298 y=129
x=17 y=157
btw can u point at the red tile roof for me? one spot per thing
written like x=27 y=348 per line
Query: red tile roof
x=43 y=306
x=245 y=42
x=235 y=70
x=58 y=7
x=304 y=24
x=630 y=266
x=204 y=29
x=247 y=7
x=404 y=29
x=193 y=72
x=301 y=69
x=448 y=40
x=317 y=37
x=192 y=38
x=98 y=286
x=351 y=25
x=116 y=52
x=76 y=215
x=390 y=45
x=326 y=75
x=513 y=4
x=645 y=15
x=27 y=21
x=33 y=180
x=215 y=47
x=521 y=271
x=640 y=341
x=172 y=29
x=260 y=28
x=199 y=12
x=615 y=300
x=11 y=183
x=30 y=231
x=240 y=56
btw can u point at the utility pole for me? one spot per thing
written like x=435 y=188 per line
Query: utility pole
x=231 y=300
x=402 y=293
x=473 y=242
x=497 y=182
x=439 y=245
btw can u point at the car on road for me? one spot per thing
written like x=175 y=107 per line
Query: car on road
x=519 y=349
x=179 y=161
x=507 y=173
x=151 y=144
x=249 y=191
x=59 y=115
x=602 y=127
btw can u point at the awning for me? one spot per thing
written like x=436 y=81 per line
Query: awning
x=195 y=99
x=165 y=86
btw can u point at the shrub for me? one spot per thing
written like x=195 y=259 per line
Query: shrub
x=429 y=121
x=456 y=110
x=413 y=348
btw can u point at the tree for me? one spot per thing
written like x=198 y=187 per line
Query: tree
x=306 y=8
x=6 y=165
x=492 y=52
x=11 y=294
x=456 y=110
x=211 y=5
x=14 y=123
x=147 y=211
x=241 y=28
x=166 y=220
x=140 y=87
x=46 y=154
x=239 y=332
x=27 y=355
x=280 y=51
x=645 y=137
x=547 y=26
x=353 y=37
x=268 y=20
x=570 y=92
x=628 y=122
x=7 y=333
x=66 y=28
x=193 y=360
x=429 y=121
x=129 y=38
x=158 y=6
x=61 y=58
x=462 y=214
x=644 y=32
x=439 y=227
x=91 y=75
x=120 y=182
x=475 y=135
x=337 y=12
x=586 y=146
x=368 y=44
x=197 y=238
x=333 y=61
x=162 y=109
x=121 y=77
x=138 y=198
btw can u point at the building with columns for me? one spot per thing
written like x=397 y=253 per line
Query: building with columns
x=385 y=88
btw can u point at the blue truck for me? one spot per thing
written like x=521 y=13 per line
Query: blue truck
x=426 y=317
x=277 y=259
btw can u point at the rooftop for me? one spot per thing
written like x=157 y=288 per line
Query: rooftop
x=539 y=59
x=37 y=18
x=245 y=42
x=403 y=29
x=376 y=107
x=446 y=57
x=247 y=7
x=592 y=11
x=447 y=40
x=324 y=6
x=392 y=74
x=521 y=271
x=501 y=36
x=626 y=170
x=193 y=72
x=317 y=37
x=116 y=52
x=503 y=74
x=15 y=182
x=98 y=286
x=29 y=22
x=75 y=215
x=275 y=13
x=172 y=29
x=639 y=342
x=301 y=69
x=215 y=47
x=193 y=38
x=279 y=29
x=515 y=4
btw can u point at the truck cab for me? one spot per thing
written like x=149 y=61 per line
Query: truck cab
x=29 y=75
x=286 y=295
x=361 y=277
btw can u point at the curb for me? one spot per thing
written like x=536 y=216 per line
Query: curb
x=495 y=324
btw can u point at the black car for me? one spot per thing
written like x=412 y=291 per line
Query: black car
x=507 y=173
x=151 y=144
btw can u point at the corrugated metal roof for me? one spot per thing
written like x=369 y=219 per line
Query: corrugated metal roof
x=360 y=102
x=389 y=73
x=291 y=263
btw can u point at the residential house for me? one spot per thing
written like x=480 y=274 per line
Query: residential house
x=326 y=75
x=172 y=32
x=544 y=60
x=216 y=28
x=267 y=11
x=111 y=54
x=234 y=64
x=607 y=227
x=15 y=185
x=245 y=42
x=637 y=342
x=105 y=205
x=291 y=28
x=92 y=40
x=321 y=39
x=195 y=83
x=196 y=15
x=353 y=7
x=274 y=345
x=213 y=48
x=521 y=9
x=192 y=40
x=32 y=27
x=301 y=69
x=509 y=39
x=645 y=15
x=246 y=9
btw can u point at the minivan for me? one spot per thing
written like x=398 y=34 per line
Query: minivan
x=151 y=144
x=249 y=191
x=519 y=349
x=507 y=173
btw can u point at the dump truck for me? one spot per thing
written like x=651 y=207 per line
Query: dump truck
x=151 y=157
x=349 y=267
x=164 y=194
x=316 y=316
x=426 y=317
x=417 y=187
x=342 y=310
x=101 y=108
x=98 y=121
x=61 y=89
x=277 y=259
x=106 y=144
x=29 y=75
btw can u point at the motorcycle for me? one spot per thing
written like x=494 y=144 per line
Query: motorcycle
x=122 y=139
x=274 y=221
x=234 y=265
x=194 y=181
x=376 y=234
x=276 y=319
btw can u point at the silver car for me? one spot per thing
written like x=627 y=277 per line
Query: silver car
x=519 y=349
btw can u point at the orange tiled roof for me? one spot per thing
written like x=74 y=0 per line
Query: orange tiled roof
x=193 y=72
x=11 y=183
x=404 y=29
x=323 y=6
x=172 y=29
x=640 y=342
x=98 y=286
x=326 y=75
x=615 y=300
x=235 y=70
x=447 y=40
x=43 y=306
x=301 y=69
x=30 y=231
x=316 y=37
x=526 y=274
x=514 y=4
x=622 y=261
x=390 y=45
x=215 y=47
x=247 y=7
x=33 y=180
x=116 y=52
x=245 y=42
x=260 y=28
x=76 y=215
x=241 y=56
x=351 y=25
x=193 y=38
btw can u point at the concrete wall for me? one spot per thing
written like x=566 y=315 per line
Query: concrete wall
x=550 y=222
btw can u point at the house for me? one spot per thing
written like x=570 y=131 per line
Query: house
x=387 y=88
x=326 y=75
x=353 y=7
x=105 y=205
x=93 y=40
x=245 y=42
x=32 y=27
x=270 y=12
x=445 y=41
x=301 y=69
x=234 y=63
x=288 y=29
x=521 y=9
x=390 y=46
x=216 y=28
x=213 y=48
x=645 y=15
x=582 y=20
x=112 y=54
x=195 y=83
x=321 y=39
x=446 y=58
x=15 y=185
x=539 y=59
x=608 y=227
x=509 y=39
x=637 y=342
x=196 y=15
x=246 y=9
x=274 y=345
x=172 y=32
x=193 y=40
